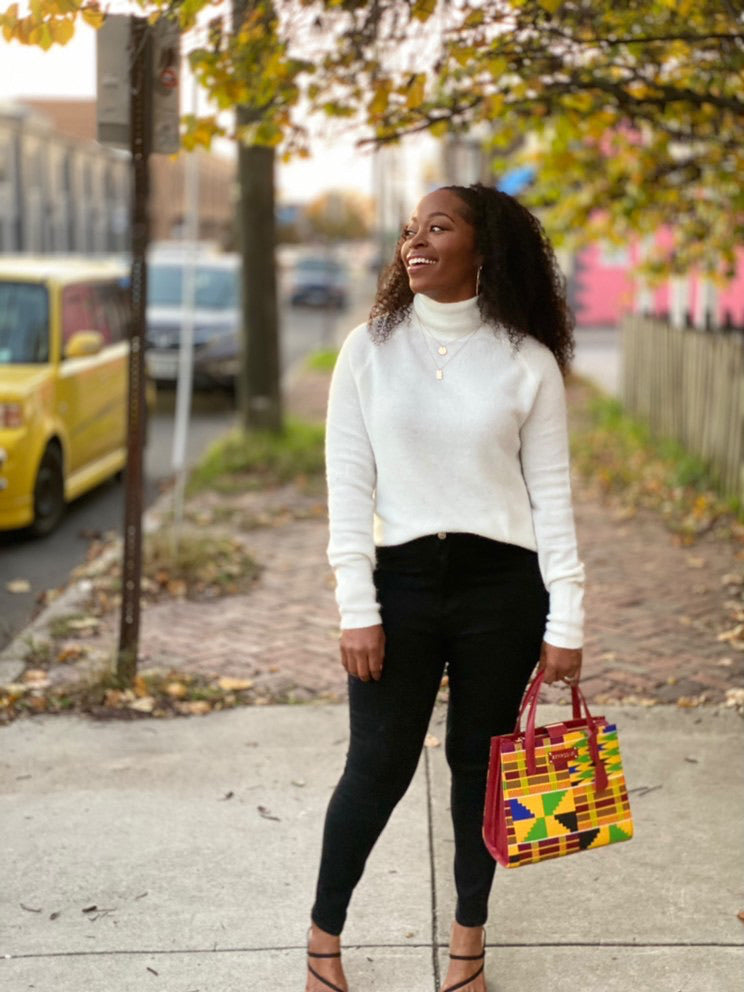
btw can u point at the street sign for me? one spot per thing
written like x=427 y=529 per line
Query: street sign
x=166 y=69
x=114 y=58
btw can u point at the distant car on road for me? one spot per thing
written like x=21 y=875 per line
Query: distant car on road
x=217 y=314
x=320 y=282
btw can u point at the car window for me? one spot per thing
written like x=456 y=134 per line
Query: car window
x=80 y=311
x=112 y=301
x=216 y=287
x=24 y=323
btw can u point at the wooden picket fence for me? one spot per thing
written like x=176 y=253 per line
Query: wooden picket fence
x=688 y=385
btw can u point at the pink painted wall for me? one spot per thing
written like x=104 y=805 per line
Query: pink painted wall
x=602 y=287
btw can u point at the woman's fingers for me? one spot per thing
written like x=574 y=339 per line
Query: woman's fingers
x=362 y=652
x=560 y=663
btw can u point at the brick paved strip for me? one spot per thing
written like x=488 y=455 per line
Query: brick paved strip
x=653 y=614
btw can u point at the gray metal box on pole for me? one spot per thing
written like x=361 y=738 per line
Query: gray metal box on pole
x=113 y=65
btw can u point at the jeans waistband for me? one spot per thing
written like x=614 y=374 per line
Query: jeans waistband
x=446 y=542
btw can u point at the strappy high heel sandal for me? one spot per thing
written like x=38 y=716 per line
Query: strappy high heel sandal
x=469 y=957
x=315 y=954
x=315 y=974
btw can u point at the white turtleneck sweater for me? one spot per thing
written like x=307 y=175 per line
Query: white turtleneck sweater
x=482 y=451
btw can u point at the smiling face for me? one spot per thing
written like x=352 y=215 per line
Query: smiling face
x=438 y=249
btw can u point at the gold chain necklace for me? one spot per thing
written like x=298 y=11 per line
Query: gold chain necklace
x=442 y=349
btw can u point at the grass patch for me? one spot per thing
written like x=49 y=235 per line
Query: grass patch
x=261 y=458
x=619 y=454
x=322 y=361
x=197 y=565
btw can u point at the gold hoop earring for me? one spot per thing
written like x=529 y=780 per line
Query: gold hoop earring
x=478 y=280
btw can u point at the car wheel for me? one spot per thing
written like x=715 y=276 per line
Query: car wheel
x=49 y=493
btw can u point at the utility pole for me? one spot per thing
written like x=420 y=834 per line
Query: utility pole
x=140 y=109
x=259 y=388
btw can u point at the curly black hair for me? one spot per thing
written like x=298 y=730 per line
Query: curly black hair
x=521 y=287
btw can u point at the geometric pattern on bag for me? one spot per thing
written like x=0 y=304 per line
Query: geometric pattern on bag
x=556 y=789
x=557 y=810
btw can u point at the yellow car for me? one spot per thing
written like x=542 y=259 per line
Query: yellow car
x=63 y=383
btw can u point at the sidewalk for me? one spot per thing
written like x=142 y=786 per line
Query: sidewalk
x=181 y=855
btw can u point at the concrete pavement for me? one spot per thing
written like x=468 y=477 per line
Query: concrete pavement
x=180 y=856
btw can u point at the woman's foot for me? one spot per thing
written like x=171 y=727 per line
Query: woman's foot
x=467 y=954
x=324 y=968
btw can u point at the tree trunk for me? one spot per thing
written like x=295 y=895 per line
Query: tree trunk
x=259 y=387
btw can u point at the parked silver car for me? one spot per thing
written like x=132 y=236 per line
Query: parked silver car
x=217 y=315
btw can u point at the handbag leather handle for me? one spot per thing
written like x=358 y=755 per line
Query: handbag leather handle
x=579 y=703
x=534 y=687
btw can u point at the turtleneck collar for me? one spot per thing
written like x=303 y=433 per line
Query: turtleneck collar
x=448 y=320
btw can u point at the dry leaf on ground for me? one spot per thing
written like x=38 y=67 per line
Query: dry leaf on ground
x=230 y=684
x=18 y=585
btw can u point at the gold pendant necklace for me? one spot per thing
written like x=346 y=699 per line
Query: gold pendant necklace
x=441 y=348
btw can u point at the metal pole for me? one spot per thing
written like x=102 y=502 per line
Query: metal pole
x=126 y=664
x=186 y=348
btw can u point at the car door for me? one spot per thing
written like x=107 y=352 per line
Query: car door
x=92 y=388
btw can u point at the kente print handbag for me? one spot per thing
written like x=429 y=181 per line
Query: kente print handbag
x=555 y=790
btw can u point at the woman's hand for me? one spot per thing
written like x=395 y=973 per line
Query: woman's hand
x=560 y=663
x=362 y=652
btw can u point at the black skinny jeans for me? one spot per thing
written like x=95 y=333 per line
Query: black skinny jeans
x=478 y=607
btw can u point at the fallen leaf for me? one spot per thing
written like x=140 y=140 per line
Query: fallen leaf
x=36 y=677
x=146 y=704
x=176 y=690
x=234 y=685
x=70 y=652
x=18 y=585
x=54 y=916
x=695 y=562
x=30 y=909
x=431 y=741
x=140 y=687
x=177 y=588
x=197 y=707
x=266 y=814
x=732 y=635
x=82 y=624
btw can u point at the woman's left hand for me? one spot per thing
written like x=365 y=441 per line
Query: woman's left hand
x=560 y=664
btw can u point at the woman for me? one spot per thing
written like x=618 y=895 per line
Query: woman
x=451 y=534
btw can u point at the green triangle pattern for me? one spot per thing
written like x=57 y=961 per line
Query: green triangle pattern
x=539 y=830
x=617 y=833
x=552 y=800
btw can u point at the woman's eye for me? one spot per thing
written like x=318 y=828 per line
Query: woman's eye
x=408 y=232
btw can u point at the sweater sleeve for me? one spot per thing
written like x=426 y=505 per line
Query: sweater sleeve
x=351 y=476
x=545 y=467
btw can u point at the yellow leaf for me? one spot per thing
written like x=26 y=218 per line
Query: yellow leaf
x=234 y=685
x=379 y=102
x=423 y=9
x=416 y=91
x=552 y=6
x=93 y=17
x=62 y=30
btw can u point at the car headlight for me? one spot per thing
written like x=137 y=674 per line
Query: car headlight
x=11 y=415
